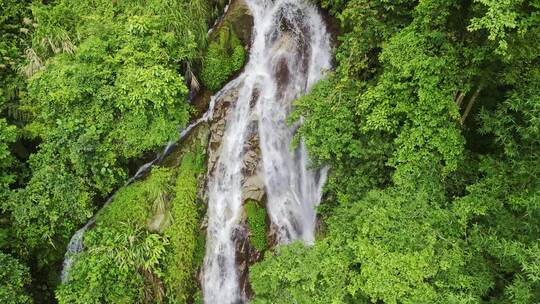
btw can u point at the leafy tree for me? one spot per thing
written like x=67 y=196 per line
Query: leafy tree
x=105 y=87
x=15 y=30
x=14 y=280
x=8 y=135
x=109 y=92
x=430 y=125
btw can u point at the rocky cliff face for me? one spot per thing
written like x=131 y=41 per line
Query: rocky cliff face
x=238 y=16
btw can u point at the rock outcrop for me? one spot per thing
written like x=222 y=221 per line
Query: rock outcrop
x=253 y=182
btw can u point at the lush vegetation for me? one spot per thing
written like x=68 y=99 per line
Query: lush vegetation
x=88 y=88
x=256 y=221
x=144 y=246
x=431 y=124
x=184 y=255
x=14 y=278
x=226 y=56
x=121 y=260
x=112 y=97
x=16 y=27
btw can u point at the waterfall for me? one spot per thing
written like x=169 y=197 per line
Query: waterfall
x=290 y=52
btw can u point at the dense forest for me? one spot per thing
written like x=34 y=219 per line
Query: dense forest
x=428 y=123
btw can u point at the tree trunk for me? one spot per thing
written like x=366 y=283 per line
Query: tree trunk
x=471 y=104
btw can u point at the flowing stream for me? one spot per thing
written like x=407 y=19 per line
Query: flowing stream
x=290 y=52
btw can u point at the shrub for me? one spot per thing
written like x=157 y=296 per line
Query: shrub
x=14 y=277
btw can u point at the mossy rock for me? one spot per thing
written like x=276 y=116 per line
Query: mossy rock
x=224 y=58
x=228 y=44
x=239 y=18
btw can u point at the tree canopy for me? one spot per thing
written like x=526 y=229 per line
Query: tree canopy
x=430 y=122
x=91 y=87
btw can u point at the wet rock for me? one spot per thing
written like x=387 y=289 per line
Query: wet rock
x=217 y=127
x=200 y=103
x=161 y=218
x=253 y=188
x=253 y=181
x=246 y=255
x=272 y=234
x=196 y=138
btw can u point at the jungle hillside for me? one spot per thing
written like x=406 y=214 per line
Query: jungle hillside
x=423 y=131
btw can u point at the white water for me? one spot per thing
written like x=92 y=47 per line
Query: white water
x=290 y=52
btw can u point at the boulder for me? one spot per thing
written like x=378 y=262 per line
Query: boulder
x=238 y=16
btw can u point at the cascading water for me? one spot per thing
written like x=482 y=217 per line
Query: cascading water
x=290 y=52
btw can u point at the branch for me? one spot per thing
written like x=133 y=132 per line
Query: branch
x=459 y=96
x=471 y=104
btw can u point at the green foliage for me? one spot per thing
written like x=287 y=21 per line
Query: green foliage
x=200 y=249
x=225 y=56
x=198 y=298
x=391 y=247
x=15 y=30
x=294 y=274
x=121 y=263
x=8 y=136
x=141 y=89
x=181 y=259
x=144 y=246
x=105 y=89
x=116 y=268
x=256 y=221
x=502 y=19
x=430 y=124
x=56 y=186
x=14 y=280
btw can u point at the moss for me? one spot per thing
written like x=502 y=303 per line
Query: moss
x=183 y=233
x=133 y=204
x=200 y=248
x=256 y=220
x=225 y=56
x=198 y=298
